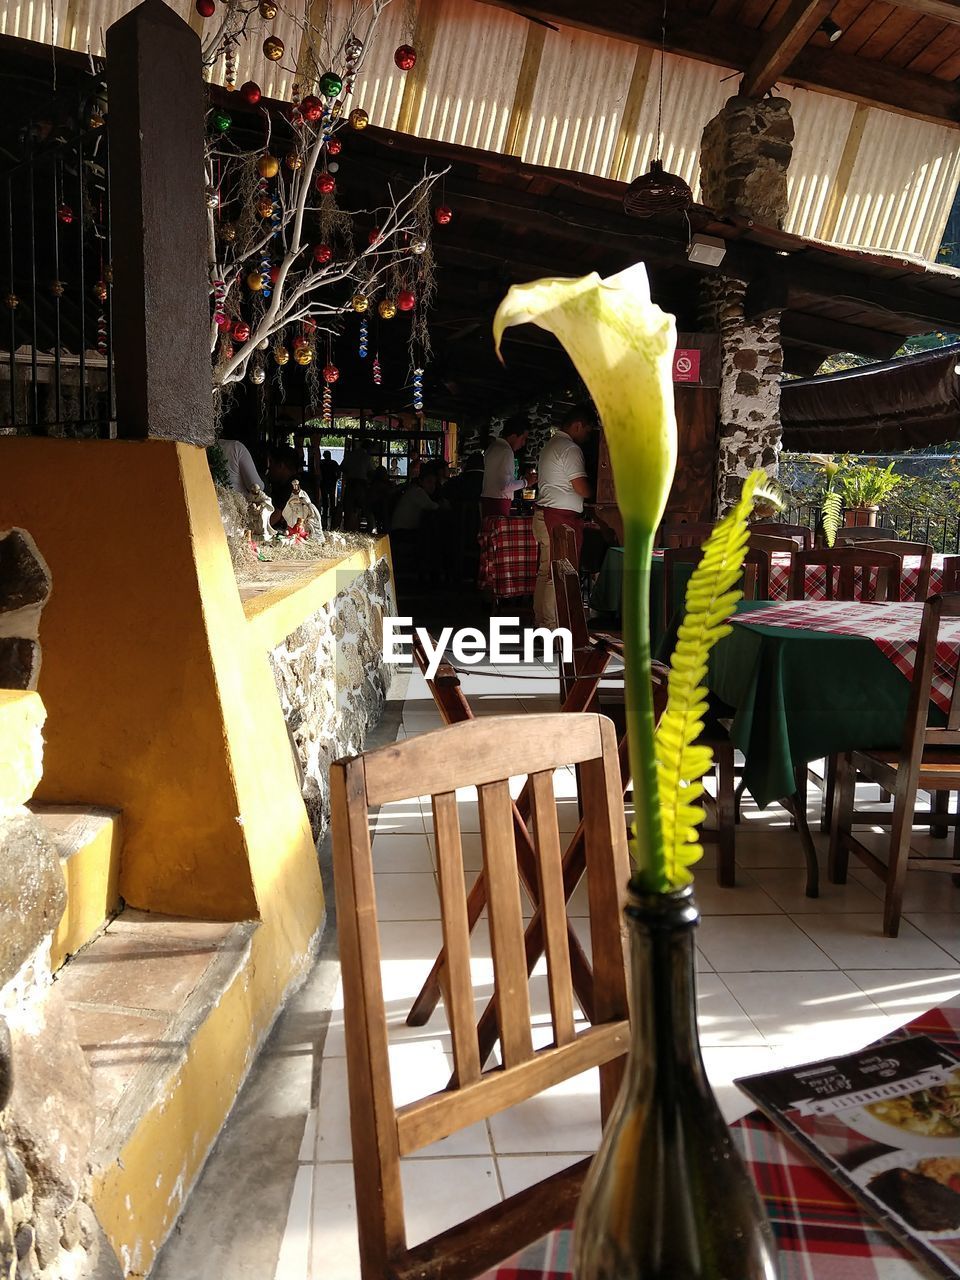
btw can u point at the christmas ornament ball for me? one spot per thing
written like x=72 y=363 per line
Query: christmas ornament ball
x=273 y=46
x=303 y=355
x=352 y=49
x=299 y=343
x=334 y=147
x=322 y=253
x=65 y=214
x=330 y=373
x=406 y=300
x=227 y=232
x=443 y=214
x=294 y=160
x=213 y=200
x=206 y=8
x=405 y=57
x=359 y=118
x=255 y=281
x=250 y=93
x=257 y=375
x=100 y=291
x=221 y=121
x=387 y=309
x=223 y=320
x=311 y=108
x=12 y=301
x=418 y=245
x=333 y=167
x=57 y=288
x=241 y=330
x=374 y=236
x=281 y=354
x=265 y=207
x=268 y=9
x=264 y=345
x=268 y=166
x=360 y=302
x=274 y=273
x=326 y=183
x=330 y=84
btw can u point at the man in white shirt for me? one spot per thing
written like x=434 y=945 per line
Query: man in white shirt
x=240 y=464
x=500 y=480
x=562 y=486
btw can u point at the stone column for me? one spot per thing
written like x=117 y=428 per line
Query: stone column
x=744 y=156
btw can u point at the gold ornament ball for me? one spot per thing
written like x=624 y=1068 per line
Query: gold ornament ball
x=100 y=291
x=255 y=281
x=359 y=118
x=268 y=10
x=265 y=207
x=360 y=302
x=273 y=47
x=257 y=375
x=294 y=160
x=281 y=354
x=387 y=309
x=303 y=355
x=228 y=232
x=268 y=166
x=56 y=288
x=13 y=301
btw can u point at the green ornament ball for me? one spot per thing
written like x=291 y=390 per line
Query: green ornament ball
x=330 y=84
x=222 y=120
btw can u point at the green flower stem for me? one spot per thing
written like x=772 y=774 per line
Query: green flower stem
x=647 y=847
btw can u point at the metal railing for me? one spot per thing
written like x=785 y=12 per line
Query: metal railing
x=941 y=532
x=56 y=372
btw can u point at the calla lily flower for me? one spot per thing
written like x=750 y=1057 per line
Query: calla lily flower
x=622 y=345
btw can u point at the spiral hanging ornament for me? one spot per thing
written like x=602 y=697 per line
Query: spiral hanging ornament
x=230 y=66
x=418 y=390
x=220 y=316
x=377 y=375
x=101 y=333
x=327 y=403
x=364 y=334
x=405 y=57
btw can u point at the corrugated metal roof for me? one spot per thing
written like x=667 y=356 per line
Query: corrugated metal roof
x=901 y=189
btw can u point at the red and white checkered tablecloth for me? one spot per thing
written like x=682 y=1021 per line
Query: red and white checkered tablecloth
x=821 y=1233
x=815 y=578
x=508 y=556
x=894 y=629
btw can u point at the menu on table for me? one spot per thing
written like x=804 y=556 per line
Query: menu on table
x=885 y=1123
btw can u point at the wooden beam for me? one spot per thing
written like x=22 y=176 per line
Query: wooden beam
x=414 y=90
x=630 y=120
x=782 y=45
x=826 y=336
x=526 y=84
x=841 y=182
x=945 y=10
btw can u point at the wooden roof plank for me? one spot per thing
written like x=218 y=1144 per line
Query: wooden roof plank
x=781 y=45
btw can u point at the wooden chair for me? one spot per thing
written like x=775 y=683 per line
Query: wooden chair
x=846 y=568
x=797 y=533
x=928 y=759
x=856 y=533
x=951 y=574
x=756 y=578
x=482 y=753
x=922 y=549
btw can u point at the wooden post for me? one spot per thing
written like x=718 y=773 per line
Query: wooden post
x=161 y=298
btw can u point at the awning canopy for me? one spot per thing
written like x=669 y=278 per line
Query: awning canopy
x=900 y=404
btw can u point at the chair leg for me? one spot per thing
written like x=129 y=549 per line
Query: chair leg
x=841 y=824
x=726 y=817
x=897 y=862
x=738 y=798
x=829 y=791
x=941 y=804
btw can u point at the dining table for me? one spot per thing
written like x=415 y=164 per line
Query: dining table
x=821 y=1233
x=508 y=556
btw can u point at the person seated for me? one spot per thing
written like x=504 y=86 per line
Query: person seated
x=284 y=466
x=467 y=485
x=416 y=500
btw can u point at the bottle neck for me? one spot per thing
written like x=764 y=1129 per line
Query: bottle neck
x=666 y=1048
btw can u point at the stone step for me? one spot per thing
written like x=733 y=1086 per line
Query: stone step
x=88 y=842
x=160 y=1006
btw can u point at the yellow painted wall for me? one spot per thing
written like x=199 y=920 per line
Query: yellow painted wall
x=21 y=745
x=92 y=875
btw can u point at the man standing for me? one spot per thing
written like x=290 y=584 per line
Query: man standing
x=329 y=475
x=500 y=481
x=562 y=487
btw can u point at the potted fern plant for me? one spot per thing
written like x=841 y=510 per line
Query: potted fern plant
x=668 y=1195
x=864 y=488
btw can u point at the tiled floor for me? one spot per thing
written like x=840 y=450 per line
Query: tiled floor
x=783 y=978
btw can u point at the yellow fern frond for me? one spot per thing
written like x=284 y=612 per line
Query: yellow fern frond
x=712 y=595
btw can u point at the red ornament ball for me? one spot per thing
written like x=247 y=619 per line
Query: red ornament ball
x=443 y=214
x=330 y=373
x=405 y=57
x=223 y=320
x=326 y=183
x=274 y=273
x=299 y=343
x=334 y=146
x=406 y=300
x=322 y=253
x=312 y=108
x=65 y=214
x=241 y=331
x=374 y=237
x=206 y=8
x=250 y=93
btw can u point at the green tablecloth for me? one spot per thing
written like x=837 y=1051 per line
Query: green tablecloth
x=799 y=695
x=608 y=591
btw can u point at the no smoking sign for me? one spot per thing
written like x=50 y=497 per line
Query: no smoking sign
x=686 y=365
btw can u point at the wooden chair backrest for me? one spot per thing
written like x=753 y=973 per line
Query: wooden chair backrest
x=951 y=574
x=563 y=544
x=756 y=576
x=917 y=732
x=692 y=534
x=484 y=753
x=770 y=543
x=798 y=533
x=851 y=564
x=922 y=549
x=865 y=533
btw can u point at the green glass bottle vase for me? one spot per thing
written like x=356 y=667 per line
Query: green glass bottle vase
x=668 y=1196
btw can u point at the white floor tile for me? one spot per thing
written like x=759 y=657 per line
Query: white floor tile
x=407 y=896
x=745 y=898
x=856 y=942
x=519 y=1172
x=334 y=1248
x=923 y=891
x=787 y=889
x=769 y=847
x=908 y=992
x=308 y=1142
x=440 y=1193
x=294 y=1260
x=722 y=1021
x=726 y=1065
x=805 y=1007
x=564 y=1118
x=409 y=851
x=942 y=927
x=737 y=944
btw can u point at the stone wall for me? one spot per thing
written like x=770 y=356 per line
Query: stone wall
x=750 y=372
x=333 y=682
x=745 y=152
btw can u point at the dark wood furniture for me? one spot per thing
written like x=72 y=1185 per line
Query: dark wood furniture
x=852 y=573
x=482 y=753
x=928 y=759
x=922 y=549
x=798 y=533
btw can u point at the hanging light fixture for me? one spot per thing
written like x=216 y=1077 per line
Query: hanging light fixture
x=830 y=29
x=657 y=191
